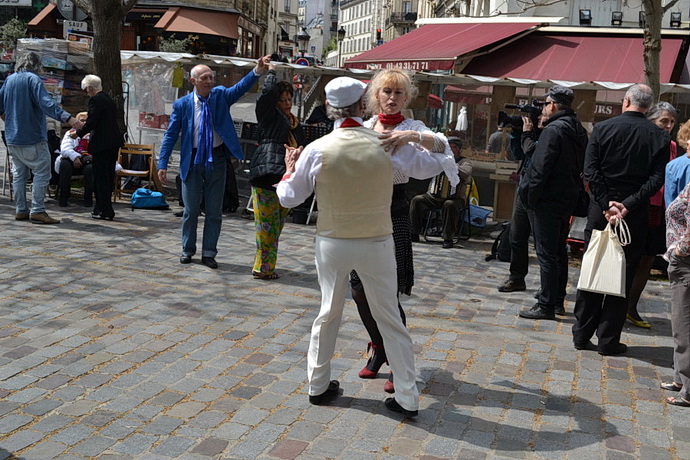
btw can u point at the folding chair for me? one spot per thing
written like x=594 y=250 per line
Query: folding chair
x=126 y=158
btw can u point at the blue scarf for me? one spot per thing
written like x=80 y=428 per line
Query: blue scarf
x=204 y=151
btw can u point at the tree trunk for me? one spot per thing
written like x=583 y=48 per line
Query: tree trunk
x=652 y=43
x=108 y=18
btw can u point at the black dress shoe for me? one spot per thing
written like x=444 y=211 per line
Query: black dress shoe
x=178 y=213
x=185 y=259
x=537 y=312
x=99 y=216
x=560 y=310
x=393 y=405
x=447 y=244
x=617 y=349
x=512 y=286
x=210 y=262
x=588 y=345
x=330 y=393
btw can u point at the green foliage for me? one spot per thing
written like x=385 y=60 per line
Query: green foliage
x=172 y=45
x=13 y=30
x=332 y=46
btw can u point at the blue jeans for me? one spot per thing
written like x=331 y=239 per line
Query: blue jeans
x=27 y=158
x=209 y=185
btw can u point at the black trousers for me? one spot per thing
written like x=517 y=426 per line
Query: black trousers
x=104 y=180
x=550 y=233
x=67 y=170
x=605 y=314
x=521 y=225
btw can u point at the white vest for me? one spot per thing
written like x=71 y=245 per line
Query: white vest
x=355 y=185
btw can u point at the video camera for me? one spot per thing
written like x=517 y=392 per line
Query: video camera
x=515 y=121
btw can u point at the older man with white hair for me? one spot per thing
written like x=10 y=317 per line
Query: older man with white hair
x=24 y=105
x=353 y=178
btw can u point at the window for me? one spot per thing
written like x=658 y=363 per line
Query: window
x=287 y=5
x=407 y=7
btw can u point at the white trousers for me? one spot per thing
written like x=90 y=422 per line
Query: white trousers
x=374 y=260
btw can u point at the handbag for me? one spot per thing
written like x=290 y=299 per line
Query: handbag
x=603 y=265
x=143 y=198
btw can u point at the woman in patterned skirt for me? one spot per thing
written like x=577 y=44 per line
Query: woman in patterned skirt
x=277 y=127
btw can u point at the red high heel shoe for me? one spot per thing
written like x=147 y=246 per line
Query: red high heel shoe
x=376 y=360
x=389 y=387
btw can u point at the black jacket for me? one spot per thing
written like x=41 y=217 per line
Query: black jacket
x=552 y=181
x=268 y=161
x=625 y=160
x=102 y=124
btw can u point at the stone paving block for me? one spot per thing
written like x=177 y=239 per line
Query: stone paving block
x=11 y=422
x=93 y=446
x=173 y=447
x=135 y=444
x=210 y=447
x=72 y=434
x=185 y=410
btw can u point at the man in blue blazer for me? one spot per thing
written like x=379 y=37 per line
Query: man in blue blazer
x=208 y=136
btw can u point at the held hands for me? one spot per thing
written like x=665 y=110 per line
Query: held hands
x=615 y=212
x=163 y=175
x=262 y=65
x=291 y=156
x=396 y=139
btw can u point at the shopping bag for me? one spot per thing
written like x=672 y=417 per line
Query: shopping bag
x=603 y=265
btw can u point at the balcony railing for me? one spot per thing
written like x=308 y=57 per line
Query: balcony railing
x=402 y=18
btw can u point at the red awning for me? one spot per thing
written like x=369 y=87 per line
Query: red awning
x=189 y=20
x=575 y=58
x=459 y=95
x=435 y=102
x=42 y=15
x=435 y=46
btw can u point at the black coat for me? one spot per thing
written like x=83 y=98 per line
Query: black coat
x=552 y=181
x=268 y=161
x=102 y=124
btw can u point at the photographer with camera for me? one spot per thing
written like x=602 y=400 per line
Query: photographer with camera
x=522 y=220
x=550 y=188
x=74 y=159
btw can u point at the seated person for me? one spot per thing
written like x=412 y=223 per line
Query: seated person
x=74 y=159
x=451 y=201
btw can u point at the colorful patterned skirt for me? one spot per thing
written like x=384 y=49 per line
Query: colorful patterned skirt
x=269 y=219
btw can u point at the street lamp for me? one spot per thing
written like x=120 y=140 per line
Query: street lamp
x=341 y=37
x=303 y=41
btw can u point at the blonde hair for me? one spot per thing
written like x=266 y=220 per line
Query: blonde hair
x=683 y=134
x=389 y=78
x=82 y=114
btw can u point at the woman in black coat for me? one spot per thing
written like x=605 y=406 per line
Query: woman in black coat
x=277 y=127
x=106 y=140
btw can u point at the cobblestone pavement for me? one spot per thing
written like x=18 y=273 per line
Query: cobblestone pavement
x=110 y=348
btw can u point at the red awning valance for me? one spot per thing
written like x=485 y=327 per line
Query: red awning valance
x=435 y=46
x=435 y=102
x=575 y=58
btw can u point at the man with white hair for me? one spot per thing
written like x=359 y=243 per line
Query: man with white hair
x=353 y=178
x=24 y=105
x=622 y=177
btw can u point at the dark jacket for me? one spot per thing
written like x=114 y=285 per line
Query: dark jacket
x=102 y=124
x=552 y=181
x=268 y=161
x=625 y=160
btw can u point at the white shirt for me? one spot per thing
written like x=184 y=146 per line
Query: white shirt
x=295 y=188
x=217 y=140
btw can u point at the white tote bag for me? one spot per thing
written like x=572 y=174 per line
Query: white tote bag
x=603 y=265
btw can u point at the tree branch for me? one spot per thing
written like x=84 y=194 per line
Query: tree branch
x=529 y=4
x=669 y=5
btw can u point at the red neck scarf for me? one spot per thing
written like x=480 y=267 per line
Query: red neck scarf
x=391 y=120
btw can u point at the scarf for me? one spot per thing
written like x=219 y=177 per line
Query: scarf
x=294 y=123
x=204 y=150
x=391 y=120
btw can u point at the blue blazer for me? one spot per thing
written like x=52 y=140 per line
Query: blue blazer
x=182 y=121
